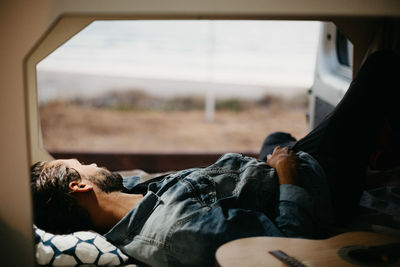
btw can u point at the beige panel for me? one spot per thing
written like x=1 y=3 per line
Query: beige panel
x=239 y=7
x=24 y=22
x=58 y=34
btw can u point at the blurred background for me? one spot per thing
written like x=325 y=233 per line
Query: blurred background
x=177 y=86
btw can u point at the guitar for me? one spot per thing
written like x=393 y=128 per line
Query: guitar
x=348 y=249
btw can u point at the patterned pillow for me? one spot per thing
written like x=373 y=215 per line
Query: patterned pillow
x=79 y=248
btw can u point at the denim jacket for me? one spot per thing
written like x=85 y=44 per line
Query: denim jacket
x=185 y=217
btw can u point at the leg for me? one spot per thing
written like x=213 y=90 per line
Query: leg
x=343 y=142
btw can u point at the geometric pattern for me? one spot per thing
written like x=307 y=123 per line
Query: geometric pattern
x=79 y=248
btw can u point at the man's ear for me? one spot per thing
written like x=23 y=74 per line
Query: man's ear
x=80 y=186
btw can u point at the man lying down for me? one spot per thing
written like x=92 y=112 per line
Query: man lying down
x=296 y=188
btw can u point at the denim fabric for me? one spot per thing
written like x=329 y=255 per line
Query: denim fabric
x=184 y=218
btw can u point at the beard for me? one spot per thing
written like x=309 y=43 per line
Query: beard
x=108 y=181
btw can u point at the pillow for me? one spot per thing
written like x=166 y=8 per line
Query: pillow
x=79 y=248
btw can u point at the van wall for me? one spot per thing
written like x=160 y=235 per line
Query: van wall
x=24 y=23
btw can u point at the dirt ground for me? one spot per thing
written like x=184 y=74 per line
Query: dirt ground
x=80 y=128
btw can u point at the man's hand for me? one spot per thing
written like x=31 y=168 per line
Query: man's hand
x=285 y=163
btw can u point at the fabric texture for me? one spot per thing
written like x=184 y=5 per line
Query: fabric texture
x=385 y=199
x=185 y=217
x=79 y=248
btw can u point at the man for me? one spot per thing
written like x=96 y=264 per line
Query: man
x=182 y=218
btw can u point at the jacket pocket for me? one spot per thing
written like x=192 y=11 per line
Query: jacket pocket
x=202 y=187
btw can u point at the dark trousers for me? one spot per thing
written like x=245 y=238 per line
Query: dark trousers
x=344 y=141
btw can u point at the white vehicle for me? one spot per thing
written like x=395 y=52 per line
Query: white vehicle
x=333 y=73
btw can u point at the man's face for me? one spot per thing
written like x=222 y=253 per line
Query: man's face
x=100 y=176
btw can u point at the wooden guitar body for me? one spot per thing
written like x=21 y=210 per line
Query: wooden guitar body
x=365 y=249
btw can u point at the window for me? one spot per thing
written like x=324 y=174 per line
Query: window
x=176 y=86
x=344 y=49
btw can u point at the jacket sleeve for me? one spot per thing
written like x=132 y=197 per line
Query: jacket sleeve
x=295 y=218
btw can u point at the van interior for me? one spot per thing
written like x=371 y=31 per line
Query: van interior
x=31 y=30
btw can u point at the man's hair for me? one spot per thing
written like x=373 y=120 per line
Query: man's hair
x=54 y=208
